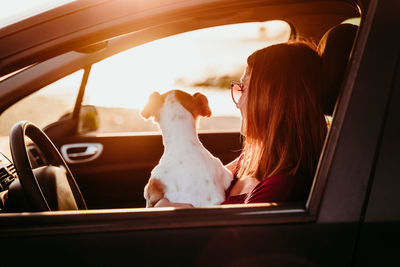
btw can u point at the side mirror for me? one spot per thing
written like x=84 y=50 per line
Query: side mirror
x=88 y=119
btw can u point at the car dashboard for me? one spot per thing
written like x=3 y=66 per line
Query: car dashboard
x=8 y=172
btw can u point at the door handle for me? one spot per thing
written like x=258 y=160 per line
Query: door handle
x=81 y=152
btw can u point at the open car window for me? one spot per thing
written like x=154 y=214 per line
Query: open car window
x=127 y=50
x=205 y=61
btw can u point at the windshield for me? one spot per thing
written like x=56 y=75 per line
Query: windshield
x=14 y=11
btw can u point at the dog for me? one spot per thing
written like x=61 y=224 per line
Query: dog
x=187 y=172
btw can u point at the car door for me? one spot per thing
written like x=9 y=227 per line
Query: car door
x=379 y=233
x=116 y=178
x=324 y=232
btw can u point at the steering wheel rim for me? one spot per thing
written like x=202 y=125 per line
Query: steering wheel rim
x=23 y=166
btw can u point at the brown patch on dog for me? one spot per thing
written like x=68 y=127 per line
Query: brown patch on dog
x=196 y=104
x=201 y=102
x=155 y=191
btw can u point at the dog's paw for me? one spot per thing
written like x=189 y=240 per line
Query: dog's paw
x=153 y=192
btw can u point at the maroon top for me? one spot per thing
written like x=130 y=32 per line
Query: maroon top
x=279 y=188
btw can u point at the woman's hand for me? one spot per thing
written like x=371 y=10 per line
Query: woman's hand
x=232 y=166
x=164 y=202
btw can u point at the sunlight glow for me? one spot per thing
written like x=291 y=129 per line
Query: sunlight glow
x=16 y=10
x=190 y=61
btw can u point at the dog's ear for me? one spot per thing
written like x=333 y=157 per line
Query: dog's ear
x=201 y=102
x=153 y=105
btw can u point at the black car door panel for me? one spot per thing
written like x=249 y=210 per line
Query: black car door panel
x=116 y=176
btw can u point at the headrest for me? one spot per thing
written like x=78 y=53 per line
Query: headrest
x=335 y=48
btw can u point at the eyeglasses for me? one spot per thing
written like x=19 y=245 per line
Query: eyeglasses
x=236 y=91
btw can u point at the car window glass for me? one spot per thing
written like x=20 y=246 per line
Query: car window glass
x=205 y=60
x=44 y=106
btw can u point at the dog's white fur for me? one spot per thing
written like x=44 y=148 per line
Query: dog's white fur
x=187 y=171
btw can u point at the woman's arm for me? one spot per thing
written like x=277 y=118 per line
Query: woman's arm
x=164 y=202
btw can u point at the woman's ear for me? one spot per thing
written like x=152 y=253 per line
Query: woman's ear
x=201 y=102
x=153 y=105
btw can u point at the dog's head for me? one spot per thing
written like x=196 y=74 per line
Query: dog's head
x=196 y=104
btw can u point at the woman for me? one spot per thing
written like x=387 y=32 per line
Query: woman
x=283 y=125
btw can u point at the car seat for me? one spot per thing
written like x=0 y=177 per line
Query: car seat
x=335 y=48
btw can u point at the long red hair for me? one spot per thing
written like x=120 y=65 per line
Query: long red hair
x=285 y=124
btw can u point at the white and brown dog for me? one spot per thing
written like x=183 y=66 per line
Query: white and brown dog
x=187 y=172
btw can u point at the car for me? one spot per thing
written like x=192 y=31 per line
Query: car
x=65 y=70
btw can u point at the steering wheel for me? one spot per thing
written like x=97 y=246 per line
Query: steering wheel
x=63 y=183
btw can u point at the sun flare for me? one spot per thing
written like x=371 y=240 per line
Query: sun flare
x=193 y=61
